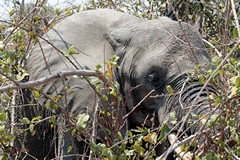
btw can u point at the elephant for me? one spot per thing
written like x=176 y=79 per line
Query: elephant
x=152 y=54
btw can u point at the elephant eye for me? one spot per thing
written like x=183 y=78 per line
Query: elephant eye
x=153 y=78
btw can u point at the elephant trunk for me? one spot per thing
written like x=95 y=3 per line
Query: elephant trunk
x=186 y=91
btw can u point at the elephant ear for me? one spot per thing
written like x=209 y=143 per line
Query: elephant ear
x=119 y=39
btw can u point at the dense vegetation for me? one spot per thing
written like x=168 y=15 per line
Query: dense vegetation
x=216 y=20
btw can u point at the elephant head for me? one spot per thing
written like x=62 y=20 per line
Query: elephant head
x=153 y=55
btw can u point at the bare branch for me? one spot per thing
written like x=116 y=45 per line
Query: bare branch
x=235 y=17
x=211 y=45
x=55 y=76
x=231 y=153
x=175 y=142
x=175 y=146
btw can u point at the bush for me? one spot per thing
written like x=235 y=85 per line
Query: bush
x=217 y=21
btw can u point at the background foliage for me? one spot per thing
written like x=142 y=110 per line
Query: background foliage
x=214 y=19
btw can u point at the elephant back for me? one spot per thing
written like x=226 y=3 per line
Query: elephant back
x=85 y=32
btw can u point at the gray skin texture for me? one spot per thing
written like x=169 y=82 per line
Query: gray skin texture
x=151 y=53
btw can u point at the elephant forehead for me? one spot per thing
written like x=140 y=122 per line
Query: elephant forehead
x=167 y=60
x=165 y=31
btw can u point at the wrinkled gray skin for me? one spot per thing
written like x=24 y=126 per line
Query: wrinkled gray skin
x=151 y=53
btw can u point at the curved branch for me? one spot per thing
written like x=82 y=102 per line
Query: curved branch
x=54 y=77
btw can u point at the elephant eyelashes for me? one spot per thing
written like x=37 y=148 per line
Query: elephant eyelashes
x=153 y=78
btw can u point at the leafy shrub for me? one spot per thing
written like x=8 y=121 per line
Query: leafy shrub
x=216 y=20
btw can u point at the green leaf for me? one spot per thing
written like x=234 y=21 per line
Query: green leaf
x=32 y=34
x=211 y=156
x=25 y=120
x=231 y=123
x=217 y=60
x=201 y=80
x=36 y=94
x=81 y=7
x=36 y=118
x=138 y=148
x=100 y=146
x=151 y=138
x=57 y=98
x=235 y=33
x=11 y=12
x=237 y=82
x=52 y=105
x=120 y=137
x=220 y=72
x=130 y=134
x=2 y=27
x=238 y=150
x=108 y=131
x=129 y=152
x=123 y=146
x=105 y=151
x=31 y=128
x=113 y=91
x=233 y=91
x=68 y=11
x=97 y=68
x=164 y=131
x=2 y=129
x=2 y=53
x=105 y=97
x=212 y=120
x=82 y=121
x=69 y=149
x=3 y=116
x=217 y=100
x=173 y=117
x=170 y=90
x=5 y=68
x=72 y=50
x=36 y=18
x=58 y=11
x=53 y=119
x=114 y=60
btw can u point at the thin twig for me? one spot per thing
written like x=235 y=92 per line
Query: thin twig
x=231 y=153
x=10 y=78
x=235 y=17
x=94 y=130
x=228 y=10
x=139 y=103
